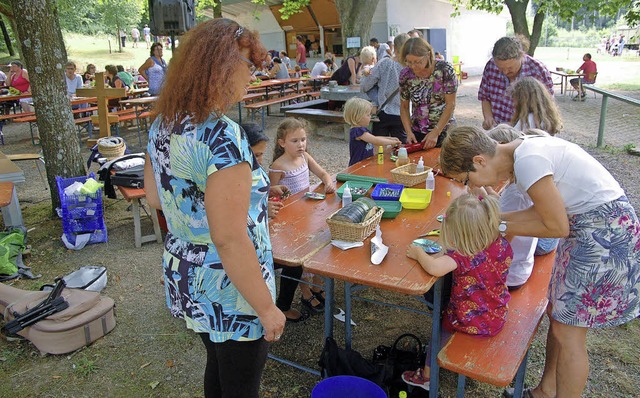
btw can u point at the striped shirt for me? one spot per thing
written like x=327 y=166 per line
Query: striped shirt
x=494 y=86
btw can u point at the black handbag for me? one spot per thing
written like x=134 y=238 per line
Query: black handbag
x=406 y=353
x=131 y=178
x=335 y=361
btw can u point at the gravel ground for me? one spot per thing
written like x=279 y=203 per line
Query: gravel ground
x=150 y=354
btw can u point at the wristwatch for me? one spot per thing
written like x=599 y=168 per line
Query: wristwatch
x=502 y=228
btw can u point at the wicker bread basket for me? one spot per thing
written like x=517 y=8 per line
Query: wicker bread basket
x=407 y=176
x=111 y=147
x=350 y=232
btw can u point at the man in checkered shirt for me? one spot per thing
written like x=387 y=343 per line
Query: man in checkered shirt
x=509 y=63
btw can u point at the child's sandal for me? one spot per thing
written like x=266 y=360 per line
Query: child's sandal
x=314 y=309
x=319 y=295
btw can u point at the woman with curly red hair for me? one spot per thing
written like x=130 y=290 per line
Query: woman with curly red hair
x=200 y=170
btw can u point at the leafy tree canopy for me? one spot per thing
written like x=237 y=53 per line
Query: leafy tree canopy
x=565 y=9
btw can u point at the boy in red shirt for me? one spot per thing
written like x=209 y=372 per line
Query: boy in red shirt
x=589 y=69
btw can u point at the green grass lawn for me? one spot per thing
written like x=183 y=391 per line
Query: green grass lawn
x=616 y=73
x=85 y=50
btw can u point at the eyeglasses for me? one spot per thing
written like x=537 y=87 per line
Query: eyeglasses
x=416 y=63
x=252 y=67
x=464 y=182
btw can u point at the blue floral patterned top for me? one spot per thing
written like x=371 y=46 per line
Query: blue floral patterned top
x=427 y=95
x=196 y=285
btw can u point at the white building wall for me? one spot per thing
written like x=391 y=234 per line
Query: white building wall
x=379 y=25
x=271 y=35
x=470 y=36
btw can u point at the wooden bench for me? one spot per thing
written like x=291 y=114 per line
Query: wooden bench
x=78 y=122
x=311 y=104
x=36 y=157
x=262 y=105
x=499 y=359
x=11 y=117
x=313 y=116
x=134 y=195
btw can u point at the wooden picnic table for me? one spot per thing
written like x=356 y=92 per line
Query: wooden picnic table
x=7 y=98
x=342 y=93
x=564 y=79
x=6 y=192
x=134 y=195
x=300 y=236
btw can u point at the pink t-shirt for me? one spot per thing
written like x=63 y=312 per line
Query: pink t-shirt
x=589 y=68
x=479 y=294
x=303 y=53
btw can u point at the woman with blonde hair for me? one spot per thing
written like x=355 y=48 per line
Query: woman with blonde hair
x=430 y=85
x=200 y=170
x=534 y=107
x=595 y=281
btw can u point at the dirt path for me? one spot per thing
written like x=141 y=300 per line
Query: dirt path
x=149 y=354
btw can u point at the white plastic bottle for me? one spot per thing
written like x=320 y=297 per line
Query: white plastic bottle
x=346 y=196
x=431 y=181
x=403 y=157
x=420 y=166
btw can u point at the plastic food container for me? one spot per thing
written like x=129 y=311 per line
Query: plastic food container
x=415 y=198
x=391 y=208
x=387 y=192
x=358 y=188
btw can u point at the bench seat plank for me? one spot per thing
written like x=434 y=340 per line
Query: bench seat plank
x=495 y=360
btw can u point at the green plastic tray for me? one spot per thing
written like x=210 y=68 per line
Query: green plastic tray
x=391 y=208
x=355 y=184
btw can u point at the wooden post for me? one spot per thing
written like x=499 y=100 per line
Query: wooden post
x=102 y=93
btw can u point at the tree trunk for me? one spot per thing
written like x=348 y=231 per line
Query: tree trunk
x=217 y=9
x=355 y=17
x=7 y=38
x=45 y=55
x=518 y=11
x=538 y=20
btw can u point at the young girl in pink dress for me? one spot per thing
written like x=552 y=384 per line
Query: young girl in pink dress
x=291 y=168
x=478 y=258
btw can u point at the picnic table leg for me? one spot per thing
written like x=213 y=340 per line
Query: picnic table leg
x=462 y=381
x=135 y=209
x=347 y=315
x=329 y=304
x=11 y=213
x=603 y=113
x=156 y=225
x=522 y=371
x=434 y=346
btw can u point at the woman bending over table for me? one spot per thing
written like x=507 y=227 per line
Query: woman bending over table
x=200 y=170
x=595 y=280
x=430 y=85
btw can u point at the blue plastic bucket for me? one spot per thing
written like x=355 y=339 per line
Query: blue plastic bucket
x=347 y=387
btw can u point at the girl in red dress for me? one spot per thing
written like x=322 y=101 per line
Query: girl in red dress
x=478 y=258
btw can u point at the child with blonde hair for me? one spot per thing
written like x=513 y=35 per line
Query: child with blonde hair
x=534 y=107
x=290 y=275
x=357 y=114
x=478 y=258
x=290 y=167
